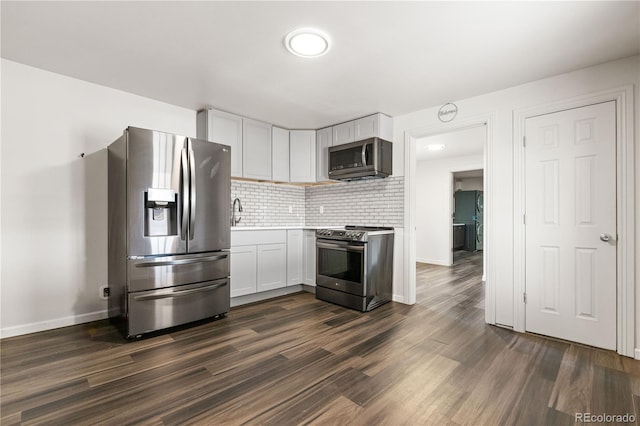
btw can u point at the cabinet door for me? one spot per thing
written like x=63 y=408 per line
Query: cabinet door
x=310 y=258
x=256 y=147
x=295 y=254
x=376 y=125
x=302 y=147
x=280 y=154
x=222 y=127
x=324 y=139
x=243 y=270
x=344 y=133
x=272 y=266
x=367 y=127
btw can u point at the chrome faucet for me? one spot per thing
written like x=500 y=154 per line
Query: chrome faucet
x=235 y=221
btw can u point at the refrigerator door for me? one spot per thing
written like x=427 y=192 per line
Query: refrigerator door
x=210 y=196
x=156 y=199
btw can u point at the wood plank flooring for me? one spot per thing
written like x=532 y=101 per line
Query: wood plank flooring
x=296 y=360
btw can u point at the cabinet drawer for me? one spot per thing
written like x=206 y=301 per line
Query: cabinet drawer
x=167 y=271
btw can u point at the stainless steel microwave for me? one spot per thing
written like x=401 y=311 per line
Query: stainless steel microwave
x=369 y=158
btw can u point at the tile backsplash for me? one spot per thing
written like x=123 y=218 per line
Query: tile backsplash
x=267 y=204
x=376 y=202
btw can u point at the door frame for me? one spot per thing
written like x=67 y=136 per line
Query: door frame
x=625 y=206
x=489 y=258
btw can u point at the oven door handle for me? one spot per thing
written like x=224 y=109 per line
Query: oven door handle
x=341 y=247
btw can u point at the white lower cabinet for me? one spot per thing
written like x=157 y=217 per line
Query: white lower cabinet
x=258 y=261
x=309 y=258
x=272 y=266
x=243 y=270
x=266 y=260
x=295 y=256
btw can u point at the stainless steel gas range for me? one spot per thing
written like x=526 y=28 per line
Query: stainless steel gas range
x=355 y=266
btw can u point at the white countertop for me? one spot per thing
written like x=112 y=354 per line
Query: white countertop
x=265 y=228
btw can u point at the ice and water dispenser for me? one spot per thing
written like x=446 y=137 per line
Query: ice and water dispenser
x=161 y=217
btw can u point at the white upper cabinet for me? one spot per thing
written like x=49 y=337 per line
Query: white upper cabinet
x=256 y=154
x=280 y=154
x=376 y=125
x=302 y=160
x=222 y=127
x=324 y=139
x=264 y=152
x=344 y=133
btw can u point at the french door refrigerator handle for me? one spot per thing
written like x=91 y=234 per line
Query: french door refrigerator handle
x=192 y=194
x=181 y=261
x=184 y=195
x=165 y=295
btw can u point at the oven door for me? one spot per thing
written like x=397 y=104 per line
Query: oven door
x=341 y=266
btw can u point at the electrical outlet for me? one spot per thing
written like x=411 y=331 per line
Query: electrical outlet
x=321 y=209
x=104 y=292
x=290 y=209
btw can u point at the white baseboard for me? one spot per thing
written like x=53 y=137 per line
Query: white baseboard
x=433 y=262
x=34 y=327
x=637 y=353
x=398 y=298
x=264 y=295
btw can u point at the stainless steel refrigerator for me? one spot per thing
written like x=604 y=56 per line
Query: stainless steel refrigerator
x=470 y=211
x=169 y=230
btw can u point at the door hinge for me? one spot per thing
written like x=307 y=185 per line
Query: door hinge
x=524 y=219
x=524 y=141
x=524 y=297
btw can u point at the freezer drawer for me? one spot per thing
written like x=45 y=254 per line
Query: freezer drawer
x=158 y=309
x=158 y=272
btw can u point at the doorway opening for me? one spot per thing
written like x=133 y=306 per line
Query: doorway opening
x=449 y=232
x=468 y=214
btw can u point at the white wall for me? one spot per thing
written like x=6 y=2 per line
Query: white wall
x=433 y=206
x=500 y=106
x=54 y=203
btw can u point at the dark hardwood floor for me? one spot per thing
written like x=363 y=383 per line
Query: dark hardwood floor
x=296 y=360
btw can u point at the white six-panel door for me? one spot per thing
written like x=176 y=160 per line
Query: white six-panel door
x=570 y=212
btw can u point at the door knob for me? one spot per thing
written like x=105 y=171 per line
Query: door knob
x=605 y=237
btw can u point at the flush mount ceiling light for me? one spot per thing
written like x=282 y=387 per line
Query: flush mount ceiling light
x=435 y=147
x=307 y=42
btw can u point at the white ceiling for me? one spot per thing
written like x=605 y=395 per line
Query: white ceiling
x=393 y=57
x=460 y=143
